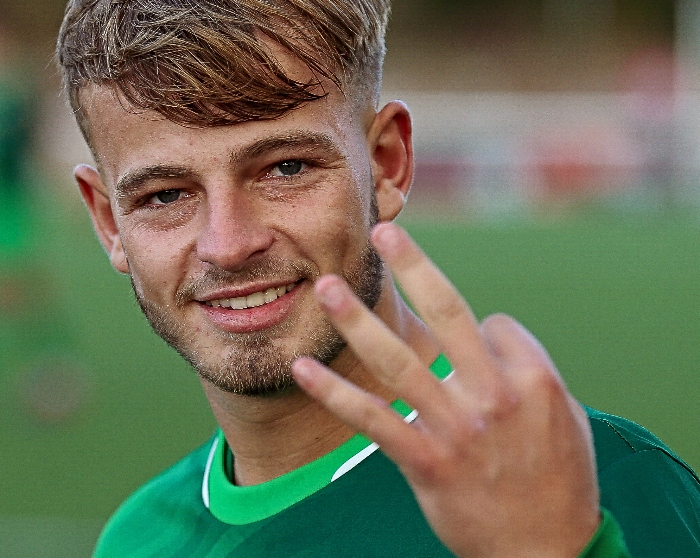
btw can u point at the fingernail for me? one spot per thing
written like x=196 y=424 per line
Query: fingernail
x=302 y=372
x=385 y=236
x=330 y=293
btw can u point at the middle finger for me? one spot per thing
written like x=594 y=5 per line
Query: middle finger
x=441 y=306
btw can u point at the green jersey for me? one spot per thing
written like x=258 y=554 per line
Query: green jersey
x=354 y=502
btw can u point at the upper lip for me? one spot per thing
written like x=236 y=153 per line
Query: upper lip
x=237 y=292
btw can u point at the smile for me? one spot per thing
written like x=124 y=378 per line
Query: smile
x=252 y=300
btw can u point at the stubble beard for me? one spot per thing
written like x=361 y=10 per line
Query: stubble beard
x=252 y=364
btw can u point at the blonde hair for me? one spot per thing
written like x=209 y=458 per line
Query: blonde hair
x=208 y=63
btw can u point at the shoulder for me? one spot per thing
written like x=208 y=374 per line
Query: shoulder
x=651 y=491
x=161 y=508
x=617 y=438
x=625 y=448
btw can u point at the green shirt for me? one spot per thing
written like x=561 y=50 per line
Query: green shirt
x=354 y=502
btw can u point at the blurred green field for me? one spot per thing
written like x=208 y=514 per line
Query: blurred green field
x=615 y=300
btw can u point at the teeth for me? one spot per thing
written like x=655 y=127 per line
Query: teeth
x=256 y=299
x=270 y=295
x=252 y=300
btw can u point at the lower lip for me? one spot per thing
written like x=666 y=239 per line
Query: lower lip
x=254 y=319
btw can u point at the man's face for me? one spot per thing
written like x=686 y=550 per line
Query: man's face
x=224 y=230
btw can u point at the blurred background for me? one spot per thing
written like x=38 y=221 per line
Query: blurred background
x=557 y=179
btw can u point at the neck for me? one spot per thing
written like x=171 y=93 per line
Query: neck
x=273 y=435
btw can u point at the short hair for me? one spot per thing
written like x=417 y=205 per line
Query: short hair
x=207 y=63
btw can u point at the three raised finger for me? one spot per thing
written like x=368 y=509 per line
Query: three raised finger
x=362 y=411
x=393 y=363
x=441 y=307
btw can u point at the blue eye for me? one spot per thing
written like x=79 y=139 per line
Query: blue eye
x=288 y=168
x=167 y=196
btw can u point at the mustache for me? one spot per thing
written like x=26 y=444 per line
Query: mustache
x=270 y=269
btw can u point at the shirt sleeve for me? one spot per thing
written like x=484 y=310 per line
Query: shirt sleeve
x=608 y=541
x=656 y=501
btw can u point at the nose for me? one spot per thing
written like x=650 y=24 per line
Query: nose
x=234 y=232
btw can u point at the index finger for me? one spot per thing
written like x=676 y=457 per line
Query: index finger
x=439 y=304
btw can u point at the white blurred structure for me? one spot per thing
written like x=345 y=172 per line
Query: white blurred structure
x=502 y=155
x=499 y=154
x=635 y=146
x=688 y=37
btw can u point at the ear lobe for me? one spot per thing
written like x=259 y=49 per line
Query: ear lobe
x=95 y=196
x=391 y=150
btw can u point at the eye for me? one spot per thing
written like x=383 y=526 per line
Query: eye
x=288 y=168
x=165 y=197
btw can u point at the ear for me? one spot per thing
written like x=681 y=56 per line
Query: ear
x=95 y=195
x=391 y=150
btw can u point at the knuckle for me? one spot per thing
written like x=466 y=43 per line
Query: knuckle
x=428 y=464
x=447 y=309
x=542 y=380
x=403 y=374
x=352 y=312
x=504 y=403
x=461 y=430
x=369 y=418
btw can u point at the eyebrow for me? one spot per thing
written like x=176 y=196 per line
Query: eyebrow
x=298 y=139
x=132 y=181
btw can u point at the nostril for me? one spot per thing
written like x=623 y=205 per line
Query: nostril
x=232 y=248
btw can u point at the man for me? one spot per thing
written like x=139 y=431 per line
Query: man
x=246 y=181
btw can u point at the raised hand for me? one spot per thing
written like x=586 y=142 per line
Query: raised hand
x=500 y=457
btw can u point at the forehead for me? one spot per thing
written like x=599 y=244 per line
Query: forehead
x=124 y=138
x=121 y=134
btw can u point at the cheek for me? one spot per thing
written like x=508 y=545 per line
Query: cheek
x=360 y=169
x=335 y=231
x=156 y=263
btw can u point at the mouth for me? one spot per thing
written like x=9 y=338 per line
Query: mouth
x=253 y=300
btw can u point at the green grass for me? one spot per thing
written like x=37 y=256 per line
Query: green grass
x=615 y=302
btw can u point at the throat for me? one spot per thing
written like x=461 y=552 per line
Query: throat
x=245 y=468
x=273 y=436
